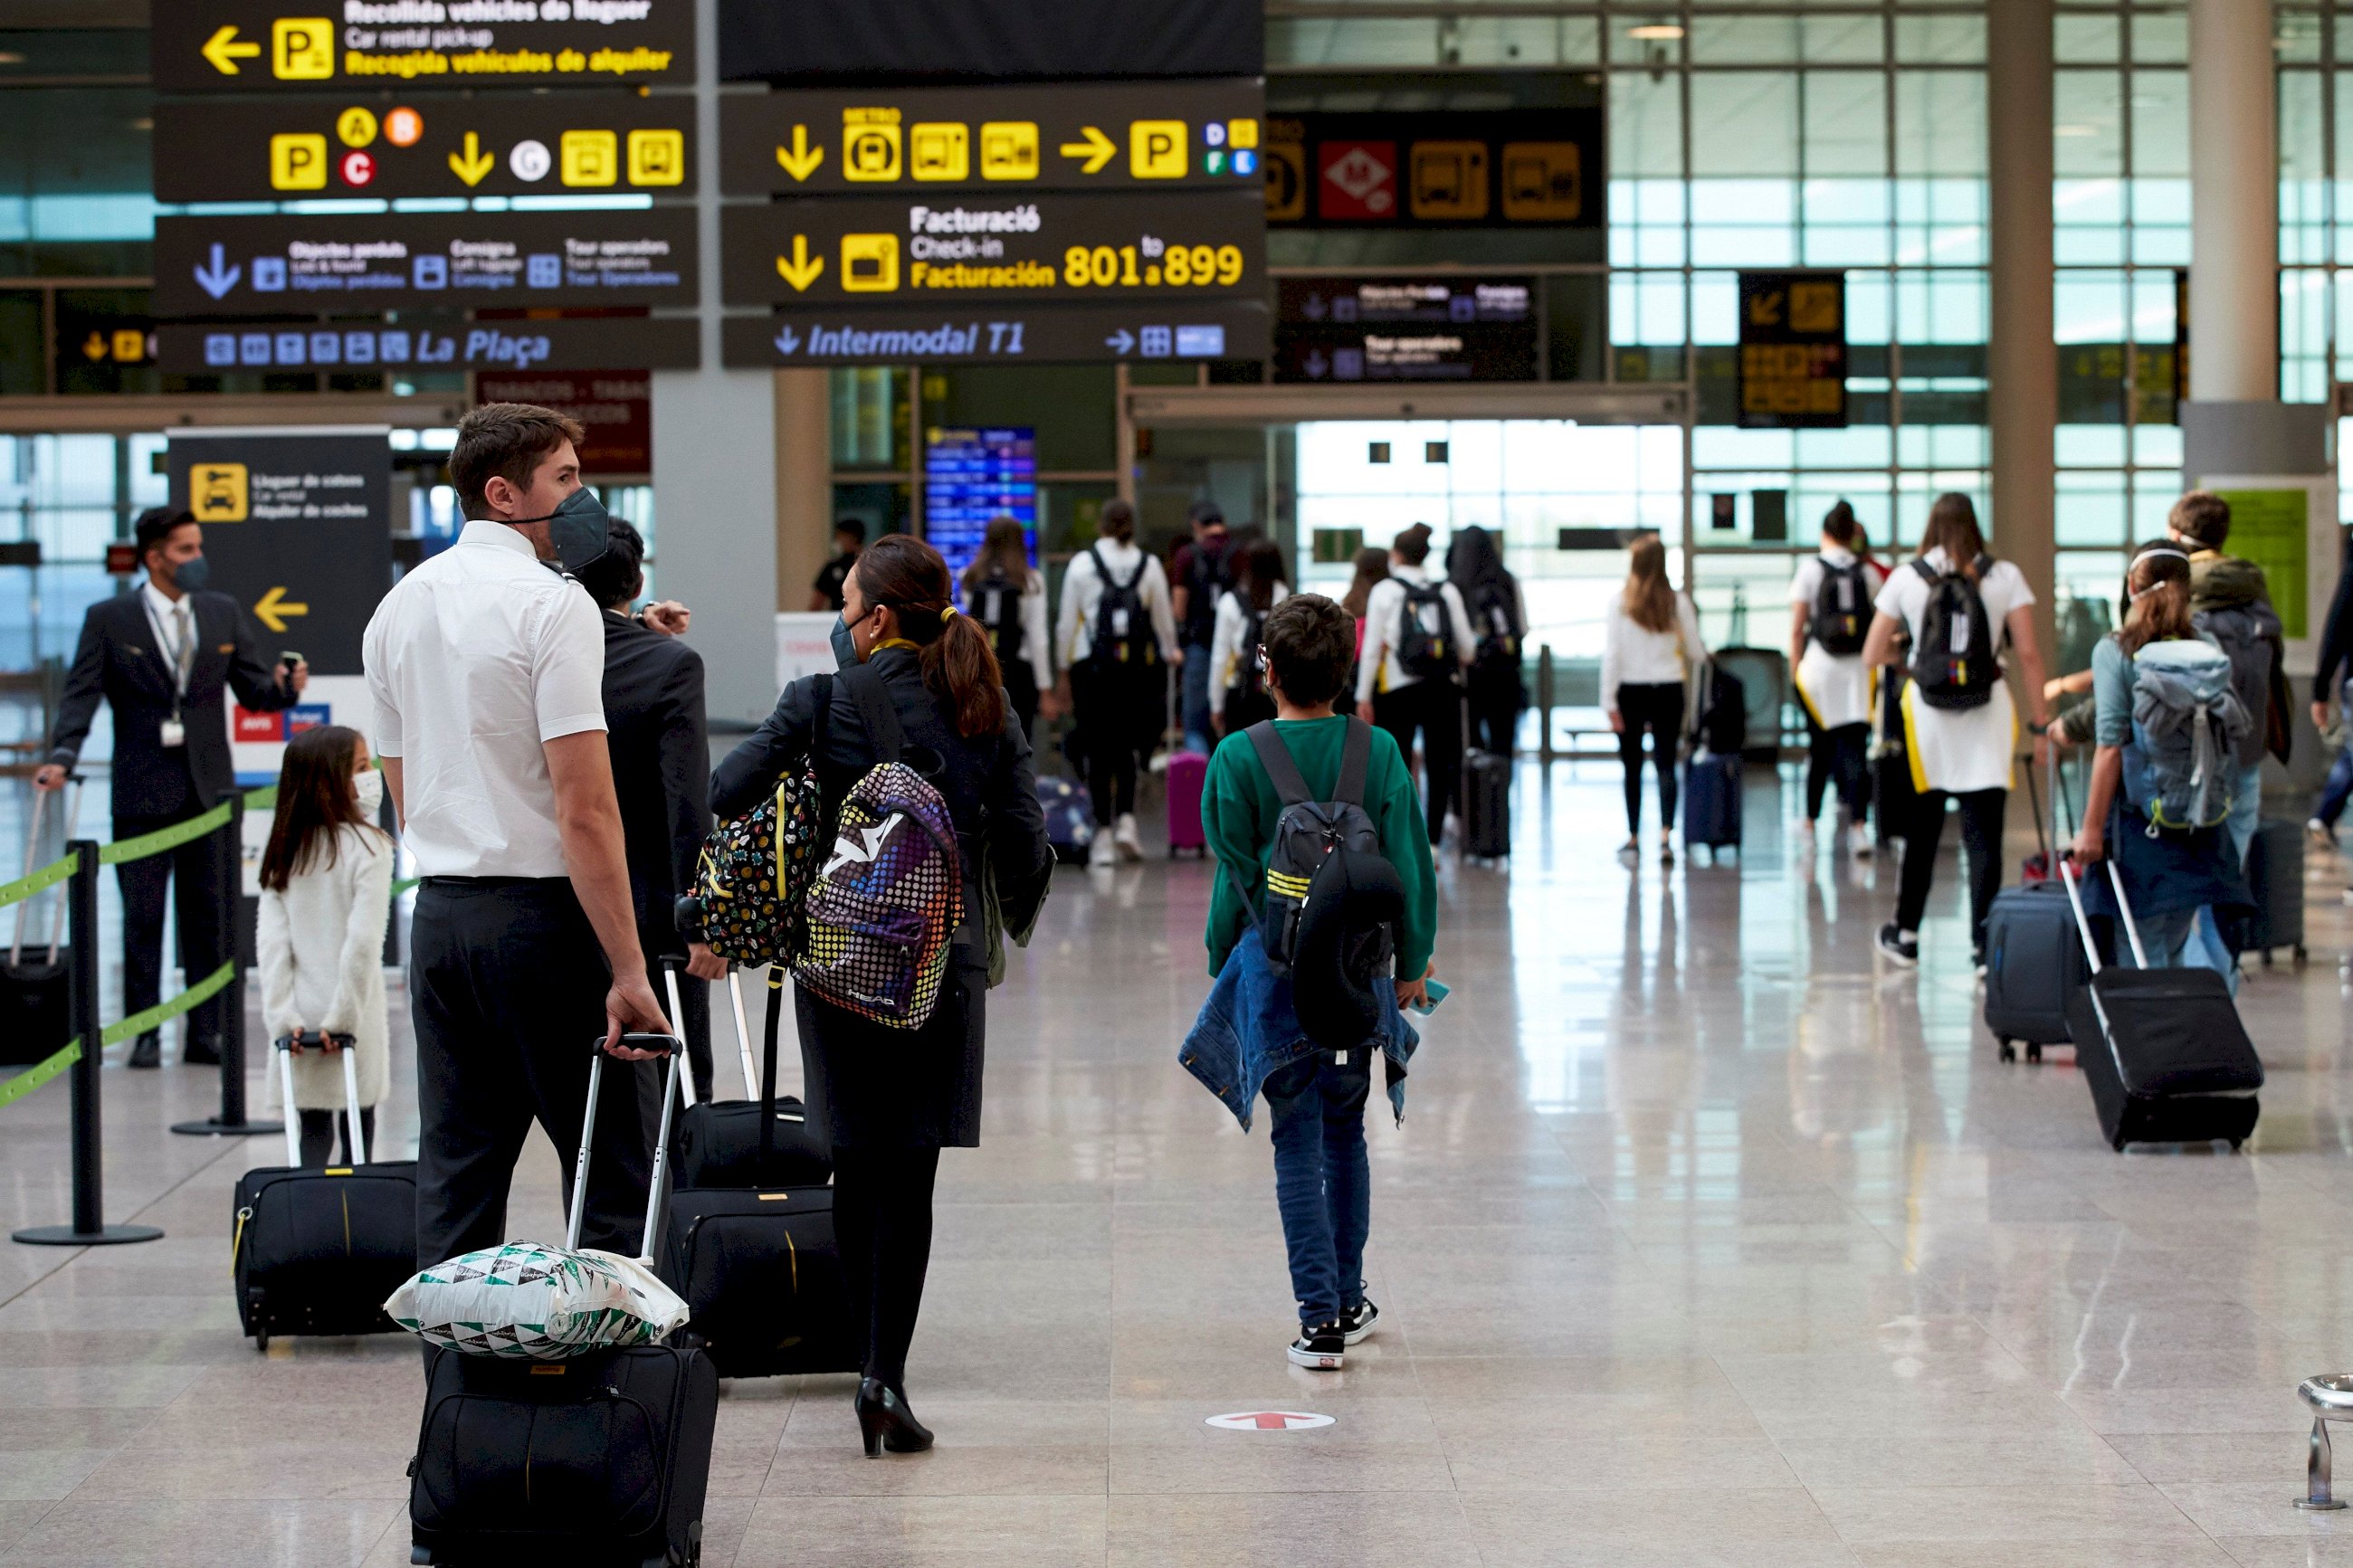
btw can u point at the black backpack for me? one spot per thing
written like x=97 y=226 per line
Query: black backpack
x=1953 y=662
x=1122 y=631
x=1332 y=899
x=1842 y=609
x=1497 y=627
x=1207 y=577
x=1425 y=645
x=997 y=606
x=2252 y=639
x=1248 y=679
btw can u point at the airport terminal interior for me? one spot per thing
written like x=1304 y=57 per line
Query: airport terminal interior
x=1724 y=1223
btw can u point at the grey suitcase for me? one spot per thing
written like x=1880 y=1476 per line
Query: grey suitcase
x=2276 y=884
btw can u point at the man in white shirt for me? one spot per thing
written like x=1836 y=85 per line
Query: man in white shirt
x=1408 y=672
x=487 y=669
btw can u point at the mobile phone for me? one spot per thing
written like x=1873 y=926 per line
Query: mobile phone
x=290 y=658
x=1437 y=992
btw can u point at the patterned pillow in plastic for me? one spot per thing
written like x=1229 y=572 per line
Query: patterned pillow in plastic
x=529 y=1302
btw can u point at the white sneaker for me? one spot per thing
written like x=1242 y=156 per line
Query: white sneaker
x=1129 y=842
x=1102 y=853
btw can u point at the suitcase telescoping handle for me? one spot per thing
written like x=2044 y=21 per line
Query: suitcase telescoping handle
x=342 y=1045
x=32 y=850
x=579 y=1214
x=743 y=1037
x=2083 y=927
x=671 y=966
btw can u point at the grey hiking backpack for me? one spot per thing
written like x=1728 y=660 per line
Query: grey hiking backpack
x=1332 y=899
x=2182 y=765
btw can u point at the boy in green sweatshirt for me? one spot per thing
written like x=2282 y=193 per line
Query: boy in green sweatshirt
x=1316 y=1102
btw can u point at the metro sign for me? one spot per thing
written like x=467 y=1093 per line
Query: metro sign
x=1357 y=179
x=1268 y=1421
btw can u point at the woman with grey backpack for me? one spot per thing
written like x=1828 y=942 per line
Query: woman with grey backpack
x=919 y=686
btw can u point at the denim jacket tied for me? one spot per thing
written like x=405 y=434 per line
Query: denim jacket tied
x=1248 y=1030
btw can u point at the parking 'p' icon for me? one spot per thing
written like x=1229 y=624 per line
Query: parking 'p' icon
x=302 y=49
x=1155 y=148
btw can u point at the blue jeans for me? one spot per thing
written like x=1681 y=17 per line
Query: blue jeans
x=1195 y=696
x=2206 y=946
x=2183 y=939
x=2333 y=793
x=1323 y=1182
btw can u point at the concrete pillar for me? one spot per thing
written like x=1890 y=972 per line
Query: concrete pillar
x=2021 y=358
x=804 y=482
x=2233 y=204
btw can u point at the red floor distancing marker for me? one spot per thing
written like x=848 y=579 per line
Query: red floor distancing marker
x=1268 y=1421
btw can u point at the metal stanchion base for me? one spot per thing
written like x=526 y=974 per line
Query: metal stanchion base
x=66 y=1236
x=2325 y=1506
x=214 y=1127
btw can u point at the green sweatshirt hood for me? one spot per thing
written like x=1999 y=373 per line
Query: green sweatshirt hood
x=2224 y=582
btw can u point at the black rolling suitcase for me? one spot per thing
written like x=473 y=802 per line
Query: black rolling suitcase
x=2032 y=961
x=316 y=1250
x=718 y=1144
x=1487 y=804
x=35 y=1009
x=598 y=1461
x=755 y=1260
x=2275 y=886
x=2163 y=1051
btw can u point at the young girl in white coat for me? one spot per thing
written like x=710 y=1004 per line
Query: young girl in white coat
x=326 y=893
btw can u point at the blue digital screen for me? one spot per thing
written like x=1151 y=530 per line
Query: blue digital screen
x=971 y=478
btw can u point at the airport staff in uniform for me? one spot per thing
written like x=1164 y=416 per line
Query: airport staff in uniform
x=161 y=659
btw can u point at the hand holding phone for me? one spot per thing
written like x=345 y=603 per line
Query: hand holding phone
x=1433 y=993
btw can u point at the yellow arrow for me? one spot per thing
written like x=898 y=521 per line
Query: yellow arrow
x=803 y=269
x=1096 y=150
x=94 y=350
x=224 y=51
x=474 y=162
x=803 y=160
x=274 y=607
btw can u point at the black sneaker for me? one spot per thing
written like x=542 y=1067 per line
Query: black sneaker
x=1897 y=946
x=1358 y=1321
x=1319 y=1347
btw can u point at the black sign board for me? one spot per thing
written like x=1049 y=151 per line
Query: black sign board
x=1142 y=331
x=571 y=143
x=1081 y=137
x=1405 y=329
x=949 y=249
x=297 y=528
x=1517 y=168
x=256 y=47
x=825 y=40
x=427 y=342
x=1792 y=350
x=243 y=266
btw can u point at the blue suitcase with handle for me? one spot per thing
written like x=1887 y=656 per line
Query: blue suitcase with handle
x=1711 y=801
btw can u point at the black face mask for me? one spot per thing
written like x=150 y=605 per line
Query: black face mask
x=582 y=531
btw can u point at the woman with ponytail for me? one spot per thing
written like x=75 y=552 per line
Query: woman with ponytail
x=2171 y=869
x=1829 y=616
x=893 y=1098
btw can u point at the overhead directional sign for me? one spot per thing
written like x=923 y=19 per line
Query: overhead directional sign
x=1517 y=168
x=1792 y=350
x=1142 y=330
x=247 y=266
x=954 y=248
x=1432 y=328
x=427 y=342
x=431 y=145
x=306 y=45
x=297 y=528
x=1037 y=40
x=1085 y=136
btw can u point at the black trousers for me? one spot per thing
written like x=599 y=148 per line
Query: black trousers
x=1021 y=691
x=883 y=1223
x=1656 y=710
x=1120 y=711
x=507 y=993
x=1981 y=812
x=1434 y=708
x=1495 y=702
x=1838 y=757
x=198 y=875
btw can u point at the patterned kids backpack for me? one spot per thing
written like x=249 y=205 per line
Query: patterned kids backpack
x=884 y=906
x=753 y=878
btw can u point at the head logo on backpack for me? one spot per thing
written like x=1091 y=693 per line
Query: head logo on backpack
x=884 y=906
x=1123 y=632
x=1332 y=899
x=2181 y=769
x=1953 y=660
x=1842 y=609
x=1424 y=643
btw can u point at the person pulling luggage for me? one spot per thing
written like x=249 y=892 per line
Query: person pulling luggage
x=1238 y=694
x=1499 y=619
x=1116 y=637
x=1417 y=642
x=1648 y=654
x=1830 y=617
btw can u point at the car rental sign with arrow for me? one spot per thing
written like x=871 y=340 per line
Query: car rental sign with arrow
x=297 y=528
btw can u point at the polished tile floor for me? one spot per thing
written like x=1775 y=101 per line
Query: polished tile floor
x=1705 y=1241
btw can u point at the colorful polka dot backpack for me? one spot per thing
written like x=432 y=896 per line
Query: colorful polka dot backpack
x=884 y=906
x=750 y=885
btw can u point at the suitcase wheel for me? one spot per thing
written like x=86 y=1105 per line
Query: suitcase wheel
x=2118 y=1144
x=2009 y=1051
x=2033 y=1053
x=421 y=1554
x=2301 y=956
x=2236 y=1142
x=261 y=1341
x=2267 y=958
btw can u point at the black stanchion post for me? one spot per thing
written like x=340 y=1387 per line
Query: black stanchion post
x=1544 y=702
x=89 y=1227
x=231 y=1121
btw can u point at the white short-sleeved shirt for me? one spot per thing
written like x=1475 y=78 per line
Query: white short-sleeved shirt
x=475 y=661
x=1835 y=687
x=1959 y=750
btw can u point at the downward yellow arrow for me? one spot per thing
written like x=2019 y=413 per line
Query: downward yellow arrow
x=1096 y=150
x=223 y=51
x=95 y=349
x=473 y=163
x=803 y=160
x=273 y=607
x=803 y=269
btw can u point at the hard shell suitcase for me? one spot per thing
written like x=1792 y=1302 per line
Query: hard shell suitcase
x=1486 y=805
x=36 y=1012
x=2162 y=1049
x=316 y=1250
x=718 y=1144
x=599 y=1461
x=1070 y=817
x=1187 y=771
x=756 y=1259
x=1761 y=678
x=2276 y=884
x=1711 y=801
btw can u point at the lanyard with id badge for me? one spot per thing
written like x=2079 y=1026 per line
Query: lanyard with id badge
x=174 y=732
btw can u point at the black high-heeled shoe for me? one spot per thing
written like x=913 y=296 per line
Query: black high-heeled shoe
x=885 y=1422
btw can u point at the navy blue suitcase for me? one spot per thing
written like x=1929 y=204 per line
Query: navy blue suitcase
x=2033 y=965
x=1711 y=801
